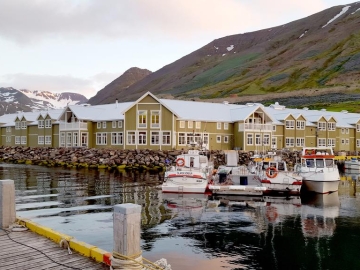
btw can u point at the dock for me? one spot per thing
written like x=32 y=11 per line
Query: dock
x=28 y=250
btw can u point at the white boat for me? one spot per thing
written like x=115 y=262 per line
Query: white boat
x=275 y=176
x=352 y=165
x=232 y=179
x=318 y=169
x=190 y=175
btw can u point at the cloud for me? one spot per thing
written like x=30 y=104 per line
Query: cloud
x=50 y=83
x=27 y=21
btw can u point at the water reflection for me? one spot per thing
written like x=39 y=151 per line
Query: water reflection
x=196 y=232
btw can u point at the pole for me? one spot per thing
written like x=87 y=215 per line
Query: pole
x=7 y=203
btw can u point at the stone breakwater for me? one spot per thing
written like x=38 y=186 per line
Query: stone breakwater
x=113 y=159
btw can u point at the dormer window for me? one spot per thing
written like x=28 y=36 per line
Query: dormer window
x=23 y=125
x=41 y=124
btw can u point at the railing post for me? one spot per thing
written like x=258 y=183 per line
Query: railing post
x=7 y=203
x=127 y=226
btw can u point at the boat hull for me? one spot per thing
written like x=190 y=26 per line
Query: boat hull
x=184 y=185
x=245 y=190
x=321 y=187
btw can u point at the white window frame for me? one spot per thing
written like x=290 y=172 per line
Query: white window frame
x=346 y=130
x=120 y=124
x=48 y=123
x=274 y=142
x=40 y=123
x=62 y=139
x=98 y=125
x=181 y=138
x=190 y=124
x=142 y=137
x=357 y=127
x=48 y=140
x=347 y=141
x=205 y=138
x=331 y=142
x=321 y=125
x=113 y=124
x=166 y=137
x=290 y=124
x=41 y=140
x=155 y=138
x=131 y=137
x=182 y=124
x=17 y=140
x=155 y=118
x=218 y=138
x=266 y=139
x=218 y=125
x=198 y=125
x=117 y=138
x=8 y=129
x=84 y=137
x=300 y=142
x=75 y=141
x=68 y=139
x=104 y=124
x=249 y=139
x=142 y=119
x=357 y=142
x=274 y=127
x=321 y=142
x=300 y=124
x=226 y=139
x=331 y=126
x=226 y=126
x=23 y=125
x=23 y=139
x=101 y=138
x=289 y=142
x=257 y=139
x=18 y=125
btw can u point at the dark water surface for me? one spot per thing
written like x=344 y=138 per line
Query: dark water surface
x=317 y=232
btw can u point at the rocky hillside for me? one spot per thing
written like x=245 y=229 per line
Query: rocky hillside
x=13 y=100
x=118 y=87
x=311 y=56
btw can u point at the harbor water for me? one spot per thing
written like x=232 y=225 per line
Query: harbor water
x=196 y=232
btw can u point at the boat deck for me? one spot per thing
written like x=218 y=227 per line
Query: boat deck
x=28 y=250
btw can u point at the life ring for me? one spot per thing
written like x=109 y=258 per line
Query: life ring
x=271 y=213
x=180 y=162
x=271 y=172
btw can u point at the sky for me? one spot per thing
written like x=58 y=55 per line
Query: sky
x=81 y=46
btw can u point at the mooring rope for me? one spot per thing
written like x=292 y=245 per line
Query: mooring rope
x=135 y=261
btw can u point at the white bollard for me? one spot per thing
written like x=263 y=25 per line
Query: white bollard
x=7 y=203
x=127 y=229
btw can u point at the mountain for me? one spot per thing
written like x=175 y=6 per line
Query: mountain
x=13 y=100
x=315 y=55
x=118 y=86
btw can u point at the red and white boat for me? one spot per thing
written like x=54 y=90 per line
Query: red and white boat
x=318 y=169
x=192 y=173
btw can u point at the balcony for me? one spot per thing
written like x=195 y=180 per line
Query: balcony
x=72 y=126
x=255 y=127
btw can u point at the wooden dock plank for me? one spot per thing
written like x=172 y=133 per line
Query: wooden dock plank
x=15 y=256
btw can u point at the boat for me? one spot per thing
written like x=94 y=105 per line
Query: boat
x=352 y=165
x=232 y=179
x=275 y=176
x=318 y=169
x=191 y=174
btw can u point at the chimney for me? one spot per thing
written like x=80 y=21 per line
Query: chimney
x=116 y=102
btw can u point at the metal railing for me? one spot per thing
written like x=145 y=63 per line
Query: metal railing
x=254 y=126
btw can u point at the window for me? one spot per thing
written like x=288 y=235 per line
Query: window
x=357 y=143
x=84 y=139
x=218 y=125
x=266 y=139
x=40 y=139
x=273 y=142
x=23 y=139
x=68 y=139
x=197 y=138
x=142 y=119
x=182 y=124
x=321 y=142
x=48 y=123
x=218 y=139
x=226 y=139
x=8 y=138
x=331 y=142
x=189 y=138
x=342 y=141
x=206 y=138
x=358 y=127
x=142 y=137
x=166 y=138
x=41 y=124
x=321 y=125
x=182 y=139
x=343 y=131
x=103 y=124
x=197 y=125
x=300 y=124
x=190 y=124
x=8 y=129
x=17 y=125
x=226 y=126
x=346 y=130
x=289 y=142
x=274 y=128
x=117 y=138
x=17 y=139
x=331 y=126
x=289 y=124
x=300 y=142
x=75 y=139
x=249 y=140
x=120 y=125
x=257 y=139
x=98 y=125
x=155 y=137
x=23 y=125
x=131 y=137
x=62 y=139
x=347 y=141
x=101 y=138
x=113 y=124
x=155 y=119
x=47 y=140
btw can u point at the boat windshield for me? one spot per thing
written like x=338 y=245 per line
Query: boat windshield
x=319 y=163
x=310 y=163
x=329 y=162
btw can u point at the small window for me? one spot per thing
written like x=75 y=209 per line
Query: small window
x=113 y=124
x=218 y=125
x=119 y=124
x=226 y=126
x=218 y=139
x=226 y=139
x=98 y=125
x=104 y=124
x=182 y=124
x=190 y=124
